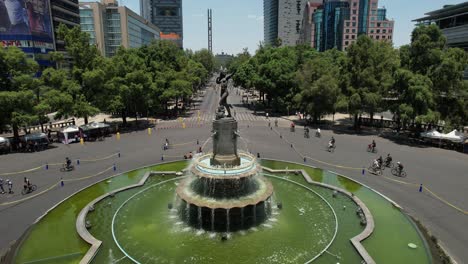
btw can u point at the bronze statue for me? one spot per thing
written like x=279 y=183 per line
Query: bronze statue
x=223 y=79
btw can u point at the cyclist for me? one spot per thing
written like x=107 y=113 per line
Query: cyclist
x=68 y=163
x=317 y=134
x=380 y=160
x=27 y=184
x=388 y=160
x=399 y=167
x=373 y=145
x=331 y=143
x=306 y=132
x=376 y=165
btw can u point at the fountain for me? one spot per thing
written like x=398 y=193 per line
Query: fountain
x=225 y=192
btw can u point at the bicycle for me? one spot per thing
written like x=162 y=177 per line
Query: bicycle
x=399 y=173
x=331 y=149
x=67 y=168
x=371 y=149
x=30 y=189
x=372 y=169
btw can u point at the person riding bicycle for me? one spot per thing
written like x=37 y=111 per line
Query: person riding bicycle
x=68 y=163
x=27 y=184
x=380 y=160
x=399 y=167
x=373 y=145
x=331 y=143
x=318 y=132
x=388 y=159
x=376 y=164
x=306 y=131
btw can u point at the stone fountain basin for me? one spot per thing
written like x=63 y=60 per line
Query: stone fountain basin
x=264 y=191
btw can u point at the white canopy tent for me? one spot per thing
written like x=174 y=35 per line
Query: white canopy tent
x=3 y=140
x=67 y=134
x=432 y=134
x=454 y=136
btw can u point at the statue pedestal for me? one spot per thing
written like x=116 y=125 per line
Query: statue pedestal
x=225 y=142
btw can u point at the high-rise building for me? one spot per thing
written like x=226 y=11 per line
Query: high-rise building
x=111 y=26
x=65 y=12
x=338 y=23
x=453 y=21
x=307 y=35
x=282 y=20
x=28 y=25
x=167 y=16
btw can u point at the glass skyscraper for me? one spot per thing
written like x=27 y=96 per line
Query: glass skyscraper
x=110 y=26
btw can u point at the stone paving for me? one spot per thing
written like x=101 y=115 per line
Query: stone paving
x=442 y=171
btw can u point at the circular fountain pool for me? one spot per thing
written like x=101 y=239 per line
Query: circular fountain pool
x=148 y=232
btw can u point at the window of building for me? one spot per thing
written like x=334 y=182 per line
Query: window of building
x=354 y=30
x=346 y=36
x=354 y=18
x=354 y=24
x=354 y=4
x=378 y=24
x=372 y=24
x=377 y=37
x=374 y=5
x=384 y=25
x=372 y=31
x=353 y=36
x=354 y=11
x=372 y=37
x=347 y=24
x=346 y=43
x=384 y=31
x=378 y=30
x=347 y=30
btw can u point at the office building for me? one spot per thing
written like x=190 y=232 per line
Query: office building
x=307 y=35
x=167 y=16
x=453 y=21
x=64 y=12
x=338 y=23
x=28 y=25
x=111 y=26
x=282 y=20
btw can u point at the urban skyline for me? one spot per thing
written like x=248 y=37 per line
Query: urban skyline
x=241 y=25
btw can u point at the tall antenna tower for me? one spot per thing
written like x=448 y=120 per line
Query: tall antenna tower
x=210 y=30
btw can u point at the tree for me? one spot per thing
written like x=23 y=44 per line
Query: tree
x=16 y=83
x=318 y=85
x=370 y=69
x=86 y=60
x=206 y=58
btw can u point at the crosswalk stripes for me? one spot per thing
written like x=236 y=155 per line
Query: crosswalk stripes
x=203 y=118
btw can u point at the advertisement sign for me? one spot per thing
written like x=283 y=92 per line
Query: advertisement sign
x=25 y=20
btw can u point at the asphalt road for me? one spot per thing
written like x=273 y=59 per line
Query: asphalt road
x=442 y=171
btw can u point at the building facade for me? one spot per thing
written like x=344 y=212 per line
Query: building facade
x=338 y=23
x=282 y=20
x=167 y=16
x=65 y=12
x=453 y=21
x=111 y=26
x=307 y=35
x=28 y=25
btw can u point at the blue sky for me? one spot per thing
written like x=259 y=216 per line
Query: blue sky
x=239 y=23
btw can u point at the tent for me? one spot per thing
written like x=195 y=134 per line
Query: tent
x=432 y=134
x=69 y=134
x=95 y=130
x=3 y=140
x=454 y=136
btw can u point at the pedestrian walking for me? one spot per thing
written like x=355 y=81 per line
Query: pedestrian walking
x=10 y=187
x=1 y=186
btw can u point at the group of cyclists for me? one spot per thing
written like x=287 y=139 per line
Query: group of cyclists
x=379 y=164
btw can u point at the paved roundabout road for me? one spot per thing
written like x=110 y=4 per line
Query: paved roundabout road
x=440 y=171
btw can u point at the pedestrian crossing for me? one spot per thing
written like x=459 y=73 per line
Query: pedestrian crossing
x=197 y=120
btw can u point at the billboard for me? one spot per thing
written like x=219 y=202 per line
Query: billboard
x=26 y=23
